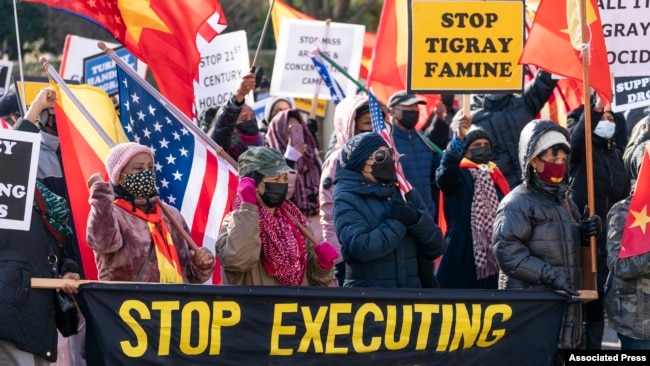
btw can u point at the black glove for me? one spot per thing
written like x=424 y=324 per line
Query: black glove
x=403 y=213
x=562 y=283
x=589 y=227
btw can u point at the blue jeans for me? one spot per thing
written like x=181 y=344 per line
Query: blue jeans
x=628 y=343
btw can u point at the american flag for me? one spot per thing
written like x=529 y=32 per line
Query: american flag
x=379 y=126
x=335 y=89
x=190 y=177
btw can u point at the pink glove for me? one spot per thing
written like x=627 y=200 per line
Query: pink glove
x=246 y=190
x=326 y=254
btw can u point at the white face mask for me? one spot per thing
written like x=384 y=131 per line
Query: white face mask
x=605 y=129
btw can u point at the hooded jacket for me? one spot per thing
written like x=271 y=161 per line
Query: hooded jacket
x=380 y=252
x=344 y=124
x=536 y=237
x=503 y=116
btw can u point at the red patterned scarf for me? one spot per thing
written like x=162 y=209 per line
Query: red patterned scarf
x=169 y=266
x=283 y=245
x=484 y=207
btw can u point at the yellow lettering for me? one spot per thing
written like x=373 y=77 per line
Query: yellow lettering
x=219 y=320
x=203 y=311
x=445 y=327
x=466 y=329
x=336 y=329
x=165 y=308
x=140 y=347
x=312 y=329
x=279 y=329
x=392 y=343
x=357 y=330
x=490 y=312
x=425 y=324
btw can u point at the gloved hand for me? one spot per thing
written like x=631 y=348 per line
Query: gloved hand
x=246 y=190
x=562 y=283
x=590 y=227
x=403 y=213
x=326 y=254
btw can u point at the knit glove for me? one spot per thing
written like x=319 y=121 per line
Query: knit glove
x=326 y=254
x=589 y=227
x=246 y=190
x=403 y=213
x=561 y=283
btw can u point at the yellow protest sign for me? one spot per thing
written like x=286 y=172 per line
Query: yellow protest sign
x=305 y=105
x=467 y=46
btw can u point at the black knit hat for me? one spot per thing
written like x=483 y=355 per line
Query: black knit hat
x=476 y=133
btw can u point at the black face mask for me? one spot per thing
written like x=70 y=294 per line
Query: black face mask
x=248 y=128
x=274 y=193
x=480 y=155
x=410 y=118
x=384 y=172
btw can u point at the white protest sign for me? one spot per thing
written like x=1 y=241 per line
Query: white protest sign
x=626 y=27
x=76 y=49
x=6 y=68
x=18 y=163
x=294 y=74
x=223 y=63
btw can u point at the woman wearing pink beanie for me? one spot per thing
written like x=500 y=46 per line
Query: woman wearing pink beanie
x=132 y=232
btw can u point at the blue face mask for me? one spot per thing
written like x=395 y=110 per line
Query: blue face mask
x=605 y=129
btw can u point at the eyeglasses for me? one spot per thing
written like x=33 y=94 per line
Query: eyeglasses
x=379 y=156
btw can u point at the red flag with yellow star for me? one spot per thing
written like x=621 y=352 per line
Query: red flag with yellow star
x=555 y=41
x=166 y=35
x=636 y=236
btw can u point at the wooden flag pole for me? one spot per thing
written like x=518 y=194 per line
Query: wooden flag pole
x=587 y=255
x=314 y=101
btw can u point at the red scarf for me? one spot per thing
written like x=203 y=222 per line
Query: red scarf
x=283 y=246
x=498 y=177
x=169 y=266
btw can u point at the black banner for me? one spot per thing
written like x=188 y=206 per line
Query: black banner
x=18 y=167
x=195 y=324
x=631 y=92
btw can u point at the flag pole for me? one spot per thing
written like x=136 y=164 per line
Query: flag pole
x=61 y=83
x=314 y=101
x=588 y=259
x=23 y=102
x=182 y=118
x=259 y=44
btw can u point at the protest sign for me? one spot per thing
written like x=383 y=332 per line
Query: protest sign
x=77 y=48
x=631 y=92
x=5 y=76
x=294 y=74
x=100 y=71
x=18 y=163
x=626 y=28
x=223 y=63
x=469 y=46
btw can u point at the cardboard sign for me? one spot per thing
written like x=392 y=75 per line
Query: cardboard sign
x=223 y=63
x=5 y=76
x=18 y=163
x=76 y=49
x=293 y=71
x=631 y=92
x=627 y=34
x=468 y=46
x=100 y=71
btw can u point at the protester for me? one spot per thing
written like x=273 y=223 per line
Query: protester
x=472 y=187
x=381 y=235
x=135 y=236
x=263 y=241
x=9 y=108
x=538 y=230
x=503 y=116
x=640 y=133
x=627 y=294
x=273 y=106
x=351 y=117
x=28 y=334
x=610 y=185
x=437 y=130
x=40 y=118
x=233 y=126
x=303 y=157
